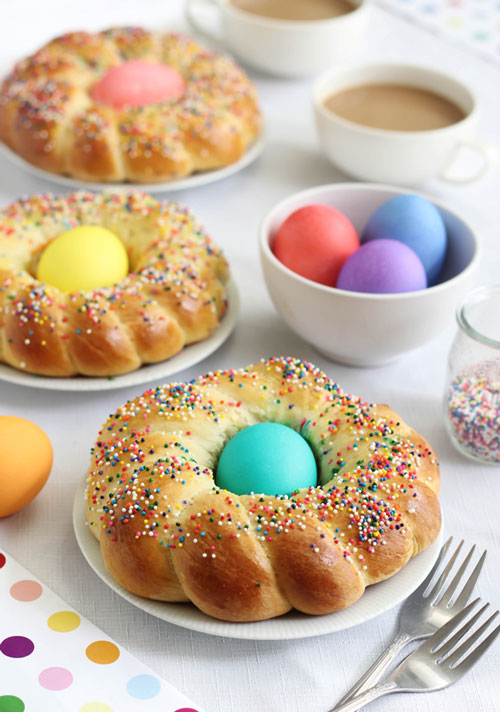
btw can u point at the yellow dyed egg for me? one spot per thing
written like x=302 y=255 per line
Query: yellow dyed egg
x=25 y=462
x=85 y=258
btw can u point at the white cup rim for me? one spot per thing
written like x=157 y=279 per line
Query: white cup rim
x=286 y=24
x=319 y=93
x=428 y=292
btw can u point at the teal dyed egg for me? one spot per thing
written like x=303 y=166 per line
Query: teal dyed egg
x=266 y=458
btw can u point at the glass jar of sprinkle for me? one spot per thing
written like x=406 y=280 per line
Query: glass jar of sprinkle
x=472 y=396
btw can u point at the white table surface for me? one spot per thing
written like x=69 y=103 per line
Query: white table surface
x=225 y=675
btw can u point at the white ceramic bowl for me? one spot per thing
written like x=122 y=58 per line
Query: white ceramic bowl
x=356 y=328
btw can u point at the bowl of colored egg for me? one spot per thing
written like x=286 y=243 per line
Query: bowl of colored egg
x=366 y=272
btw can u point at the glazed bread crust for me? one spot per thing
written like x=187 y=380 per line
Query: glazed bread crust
x=173 y=295
x=167 y=531
x=48 y=115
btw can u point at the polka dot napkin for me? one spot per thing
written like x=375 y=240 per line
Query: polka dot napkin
x=474 y=24
x=52 y=658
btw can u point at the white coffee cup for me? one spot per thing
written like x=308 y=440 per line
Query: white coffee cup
x=288 y=48
x=401 y=157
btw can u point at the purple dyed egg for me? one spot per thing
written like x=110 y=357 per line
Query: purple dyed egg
x=382 y=267
x=417 y=223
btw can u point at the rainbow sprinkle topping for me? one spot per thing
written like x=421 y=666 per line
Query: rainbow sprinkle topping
x=473 y=410
x=158 y=452
x=176 y=271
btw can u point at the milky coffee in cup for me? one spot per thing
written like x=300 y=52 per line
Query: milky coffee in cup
x=299 y=10
x=394 y=107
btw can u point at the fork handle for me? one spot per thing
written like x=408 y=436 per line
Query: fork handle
x=384 y=688
x=375 y=672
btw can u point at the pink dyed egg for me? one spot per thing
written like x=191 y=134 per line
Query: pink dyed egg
x=315 y=241
x=137 y=83
x=383 y=267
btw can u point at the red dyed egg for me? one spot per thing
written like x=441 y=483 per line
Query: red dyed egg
x=315 y=241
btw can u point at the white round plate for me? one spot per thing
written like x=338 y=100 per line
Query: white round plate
x=187 y=357
x=191 y=181
x=376 y=600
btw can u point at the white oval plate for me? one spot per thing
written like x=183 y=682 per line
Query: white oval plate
x=187 y=357
x=376 y=600
x=191 y=181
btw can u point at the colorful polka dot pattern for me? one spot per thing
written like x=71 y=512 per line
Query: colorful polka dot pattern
x=102 y=652
x=26 y=590
x=17 y=646
x=143 y=687
x=472 y=24
x=64 y=621
x=41 y=660
x=55 y=678
x=10 y=703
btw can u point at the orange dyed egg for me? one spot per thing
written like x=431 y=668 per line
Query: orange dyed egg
x=25 y=462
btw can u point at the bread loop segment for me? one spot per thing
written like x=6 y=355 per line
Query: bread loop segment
x=49 y=117
x=168 y=532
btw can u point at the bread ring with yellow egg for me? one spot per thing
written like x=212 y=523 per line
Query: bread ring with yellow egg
x=169 y=531
x=126 y=104
x=173 y=294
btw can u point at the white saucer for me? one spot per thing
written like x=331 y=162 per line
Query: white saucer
x=188 y=357
x=376 y=600
x=191 y=181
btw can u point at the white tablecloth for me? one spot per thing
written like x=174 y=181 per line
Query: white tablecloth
x=224 y=675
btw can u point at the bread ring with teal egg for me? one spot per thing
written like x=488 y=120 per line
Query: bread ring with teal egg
x=170 y=531
x=98 y=284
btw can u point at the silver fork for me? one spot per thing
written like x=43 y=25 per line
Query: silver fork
x=436 y=663
x=421 y=615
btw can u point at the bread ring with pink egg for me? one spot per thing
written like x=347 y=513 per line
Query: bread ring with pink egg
x=126 y=104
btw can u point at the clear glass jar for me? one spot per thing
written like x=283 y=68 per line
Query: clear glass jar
x=472 y=396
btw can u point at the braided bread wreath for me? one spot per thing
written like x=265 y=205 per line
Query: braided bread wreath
x=52 y=110
x=168 y=532
x=173 y=295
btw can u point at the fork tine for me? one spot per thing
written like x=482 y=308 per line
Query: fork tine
x=425 y=583
x=453 y=585
x=472 y=659
x=439 y=583
x=469 y=586
x=467 y=644
x=448 y=628
x=447 y=645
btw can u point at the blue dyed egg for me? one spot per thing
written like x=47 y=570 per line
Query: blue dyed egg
x=267 y=458
x=417 y=223
x=382 y=267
